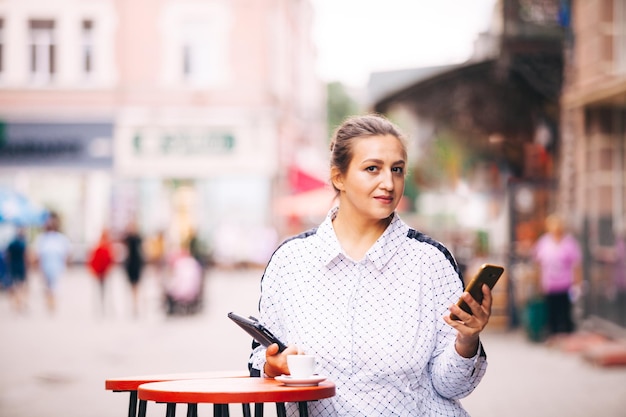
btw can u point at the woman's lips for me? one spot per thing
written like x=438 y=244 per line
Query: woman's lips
x=384 y=199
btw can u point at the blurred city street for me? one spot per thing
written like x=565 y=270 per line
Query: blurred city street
x=57 y=365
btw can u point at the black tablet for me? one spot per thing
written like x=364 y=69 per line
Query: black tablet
x=257 y=331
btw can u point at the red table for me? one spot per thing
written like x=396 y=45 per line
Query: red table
x=131 y=383
x=223 y=391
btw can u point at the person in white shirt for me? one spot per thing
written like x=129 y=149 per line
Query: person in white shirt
x=370 y=297
x=53 y=253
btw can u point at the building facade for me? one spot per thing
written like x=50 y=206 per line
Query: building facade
x=592 y=174
x=181 y=115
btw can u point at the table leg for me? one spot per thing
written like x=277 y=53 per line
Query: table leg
x=192 y=410
x=171 y=410
x=132 y=404
x=258 y=410
x=221 y=410
x=246 y=410
x=142 y=408
x=304 y=410
x=280 y=410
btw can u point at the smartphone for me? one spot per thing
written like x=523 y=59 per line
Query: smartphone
x=487 y=274
x=255 y=329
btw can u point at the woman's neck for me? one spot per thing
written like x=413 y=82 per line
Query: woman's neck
x=356 y=236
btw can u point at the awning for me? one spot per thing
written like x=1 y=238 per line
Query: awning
x=302 y=181
x=17 y=209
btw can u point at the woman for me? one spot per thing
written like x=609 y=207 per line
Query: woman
x=134 y=262
x=370 y=297
x=100 y=261
x=16 y=257
x=53 y=253
x=558 y=256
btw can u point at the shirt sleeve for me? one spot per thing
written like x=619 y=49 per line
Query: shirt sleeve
x=576 y=253
x=257 y=359
x=459 y=376
x=453 y=376
x=269 y=312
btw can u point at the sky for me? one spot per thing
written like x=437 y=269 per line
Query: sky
x=357 y=37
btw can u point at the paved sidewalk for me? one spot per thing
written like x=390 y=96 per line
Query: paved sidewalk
x=56 y=365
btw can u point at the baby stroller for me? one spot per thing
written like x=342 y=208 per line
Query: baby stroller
x=184 y=286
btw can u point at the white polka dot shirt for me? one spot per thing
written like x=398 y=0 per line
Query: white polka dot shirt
x=375 y=325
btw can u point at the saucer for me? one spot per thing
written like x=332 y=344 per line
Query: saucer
x=300 y=382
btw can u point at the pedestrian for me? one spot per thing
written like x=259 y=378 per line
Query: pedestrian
x=52 y=256
x=134 y=262
x=100 y=261
x=558 y=257
x=196 y=248
x=158 y=253
x=370 y=297
x=16 y=268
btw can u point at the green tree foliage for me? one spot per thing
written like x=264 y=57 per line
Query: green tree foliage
x=339 y=105
x=445 y=162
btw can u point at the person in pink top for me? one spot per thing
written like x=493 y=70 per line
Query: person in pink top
x=558 y=256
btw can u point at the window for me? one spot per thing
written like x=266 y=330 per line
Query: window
x=87 y=48
x=196 y=54
x=42 y=50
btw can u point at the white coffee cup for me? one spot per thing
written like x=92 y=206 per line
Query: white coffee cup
x=301 y=366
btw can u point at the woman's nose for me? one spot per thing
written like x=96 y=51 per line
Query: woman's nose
x=386 y=181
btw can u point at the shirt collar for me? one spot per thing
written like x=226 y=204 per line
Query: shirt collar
x=388 y=243
x=330 y=247
x=379 y=254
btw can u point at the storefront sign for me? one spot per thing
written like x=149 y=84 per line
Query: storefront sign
x=56 y=144
x=183 y=143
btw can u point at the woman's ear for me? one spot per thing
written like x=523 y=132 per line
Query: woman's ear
x=336 y=179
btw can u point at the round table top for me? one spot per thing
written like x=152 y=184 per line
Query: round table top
x=232 y=390
x=131 y=383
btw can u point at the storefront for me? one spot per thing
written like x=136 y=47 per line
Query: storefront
x=200 y=173
x=65 y=167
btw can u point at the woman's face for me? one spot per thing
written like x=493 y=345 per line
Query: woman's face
x=374 y=183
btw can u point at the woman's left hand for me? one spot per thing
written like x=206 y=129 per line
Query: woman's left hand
x=470 y=325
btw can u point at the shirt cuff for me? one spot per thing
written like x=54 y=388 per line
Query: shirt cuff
x=468 y=364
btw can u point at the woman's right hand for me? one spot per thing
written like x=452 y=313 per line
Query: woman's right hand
x=276 y=363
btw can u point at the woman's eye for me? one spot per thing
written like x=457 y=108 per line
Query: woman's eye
x=371 y=169
x=397 y=170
